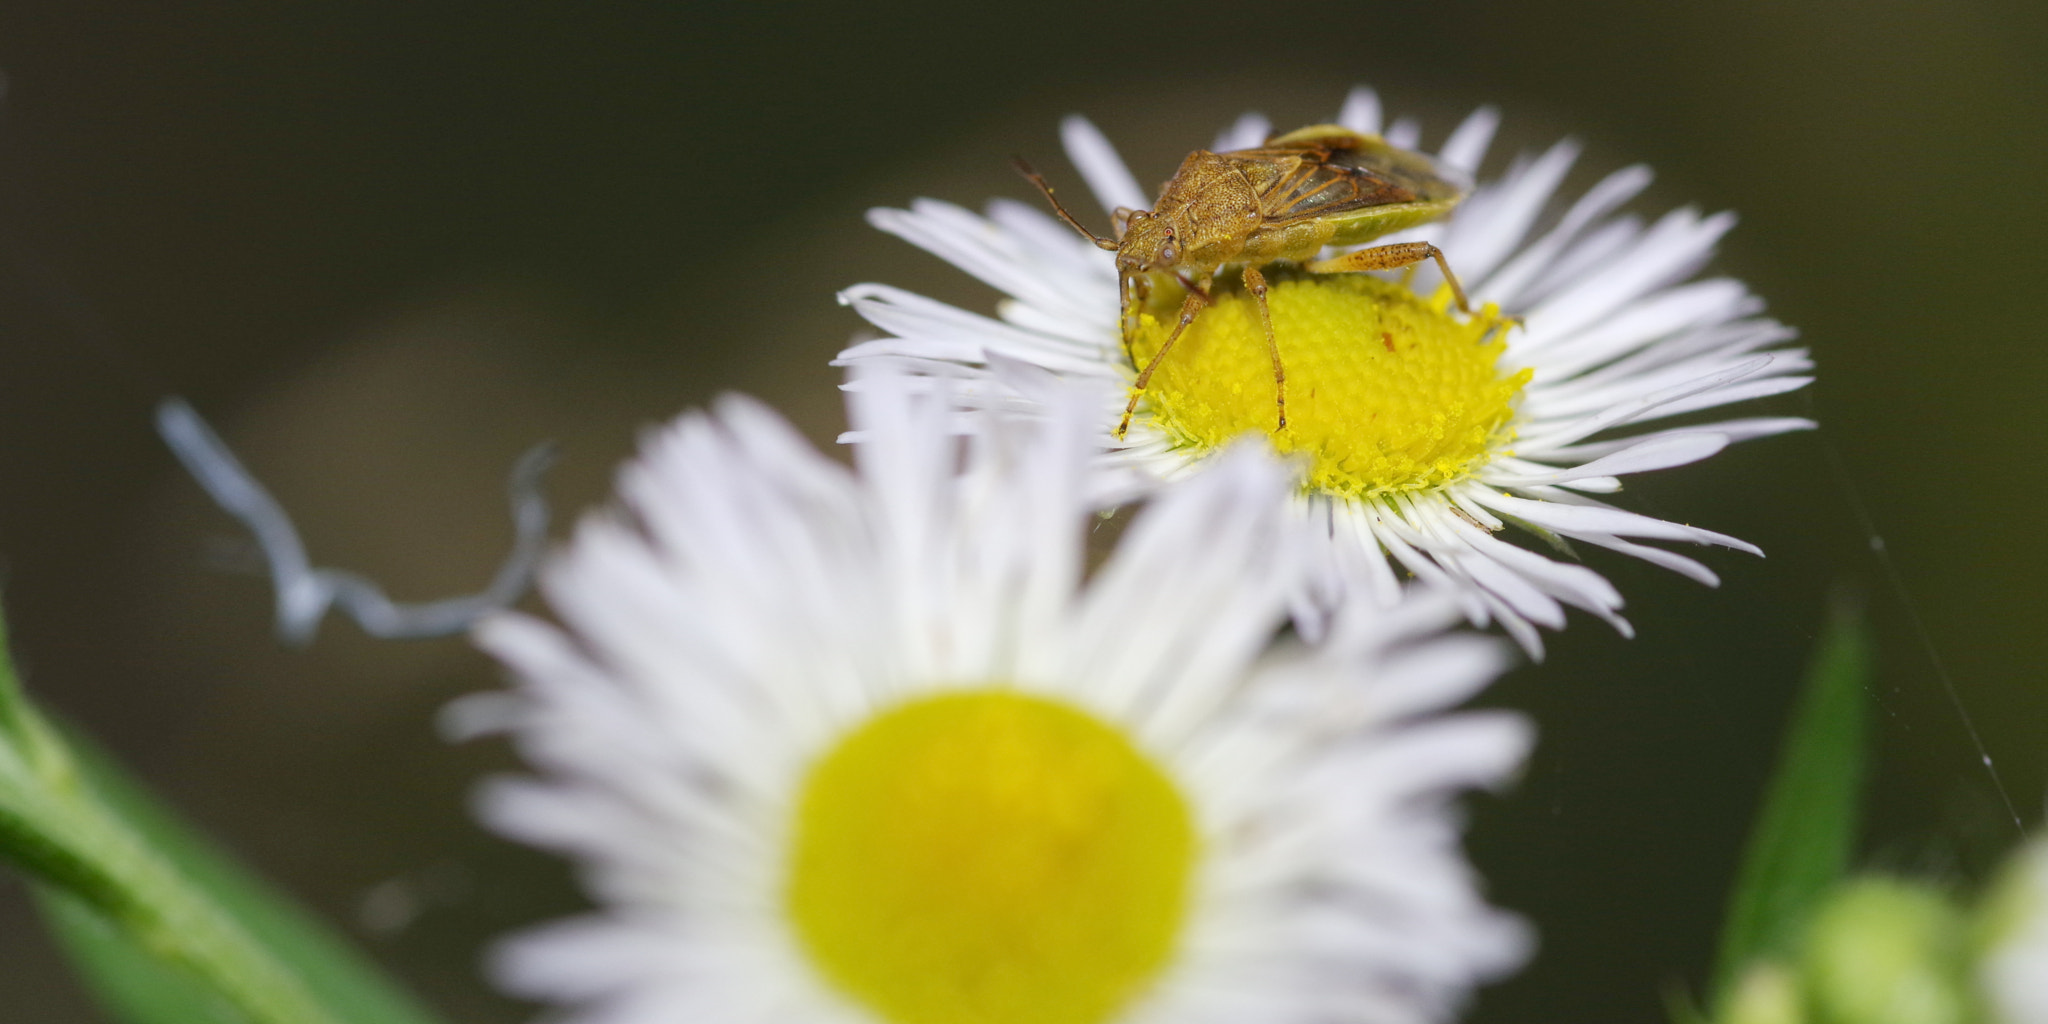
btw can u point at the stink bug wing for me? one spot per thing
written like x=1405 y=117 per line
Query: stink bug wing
x=1359 y=182
x=1338 y=146
x=1323 y=189
x=1319 y=136
x=1413 y=171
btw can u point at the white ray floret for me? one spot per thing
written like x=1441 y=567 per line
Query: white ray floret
x=752 y=604
x=1620 y=334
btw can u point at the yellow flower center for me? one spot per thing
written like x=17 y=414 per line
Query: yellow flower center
x=1386 y=392
x=986 y=857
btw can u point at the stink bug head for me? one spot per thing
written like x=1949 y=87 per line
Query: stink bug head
x=1148 y=244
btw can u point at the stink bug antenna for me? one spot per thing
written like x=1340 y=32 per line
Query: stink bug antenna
x=1039 y=180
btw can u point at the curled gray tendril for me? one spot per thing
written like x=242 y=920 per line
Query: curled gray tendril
x=304 y=593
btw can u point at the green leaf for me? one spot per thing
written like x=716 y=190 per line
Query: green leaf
x=140 y=987
x=164 y=926
x=1805 y=834
x=130 y=984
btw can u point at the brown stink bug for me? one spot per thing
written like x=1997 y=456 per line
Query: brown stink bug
x=1285 y=200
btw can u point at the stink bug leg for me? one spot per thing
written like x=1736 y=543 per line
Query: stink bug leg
x=1392 y=257
x=1255 y=283
x=1198 y=297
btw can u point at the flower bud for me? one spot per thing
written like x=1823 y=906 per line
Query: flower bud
x=1885 y=951
x=1767 y=994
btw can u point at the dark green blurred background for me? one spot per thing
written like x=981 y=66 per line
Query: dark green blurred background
x=386 y=246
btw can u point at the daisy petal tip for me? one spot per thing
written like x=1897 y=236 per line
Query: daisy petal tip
x=1361 y=110
x=516 y=638
x=476 y=715
x=885 y=218
x=1096 y=158
x=490 y=631
x=1525 y=636
x=1247 y=131
x=1512 y=736
x=497 y=800
x=743 y=409
x=1562 y=154
x=1467 y=145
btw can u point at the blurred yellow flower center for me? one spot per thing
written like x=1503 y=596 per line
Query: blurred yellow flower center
x=1386 y=391
x=985 y=857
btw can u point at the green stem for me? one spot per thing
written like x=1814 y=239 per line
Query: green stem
x=56 y=826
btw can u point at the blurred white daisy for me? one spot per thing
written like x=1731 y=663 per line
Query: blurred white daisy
x=1424 y=433
x=837 y=746
x=2012 y=968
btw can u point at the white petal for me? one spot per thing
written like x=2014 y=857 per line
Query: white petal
x=1478 y=242
x=1663 y=452
x=1733 y=430
x=1404 y=133
x=1467 y=145
x=1581 y=521
x=1361 y=111
x=1100 y=167
x=1673 y=247
x=1506 y=286
x=1247 y=132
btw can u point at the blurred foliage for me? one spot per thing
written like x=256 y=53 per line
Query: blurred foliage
x=1807 y=829
x=138 y=986
x=164 y=928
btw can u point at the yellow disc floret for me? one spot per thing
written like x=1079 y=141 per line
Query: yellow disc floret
x=1386 y=391
x=986 y=857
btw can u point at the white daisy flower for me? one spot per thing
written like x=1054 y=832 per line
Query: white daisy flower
x=1424 y=433
x=839 y=746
